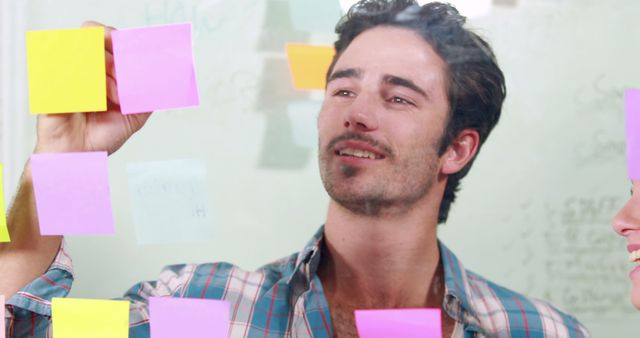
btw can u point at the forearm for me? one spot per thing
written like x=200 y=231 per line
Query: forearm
x=28 y=255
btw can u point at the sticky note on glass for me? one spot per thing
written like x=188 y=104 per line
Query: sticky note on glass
x=309 y=65
x=154 y=68
x=72 y=193
x=184 y=317
x=66 y=70
x=169 y=201
x=632 y=127
x=407 y=323
x=303 y=116
x=82 y=318
x=4 y=232
x=315 y=15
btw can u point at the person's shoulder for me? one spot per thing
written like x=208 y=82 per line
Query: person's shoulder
x=503 y=312
x=213 y=280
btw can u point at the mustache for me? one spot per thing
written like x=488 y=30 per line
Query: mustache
x=352 y=136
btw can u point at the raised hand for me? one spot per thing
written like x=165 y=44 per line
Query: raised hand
x=91 y=131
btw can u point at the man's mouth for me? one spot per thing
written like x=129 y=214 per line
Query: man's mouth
x=359 y=153
x=634 y=257
x=359 y=148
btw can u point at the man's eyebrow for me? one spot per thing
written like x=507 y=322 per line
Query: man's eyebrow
x=346 y=73
x=398 y=81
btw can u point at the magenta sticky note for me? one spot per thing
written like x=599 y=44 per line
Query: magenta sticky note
x=72 y=193
x=155 y=68
x=407 y=323
x=632 y=123
x=188 y=317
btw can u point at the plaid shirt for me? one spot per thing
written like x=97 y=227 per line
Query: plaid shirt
x=285 y=299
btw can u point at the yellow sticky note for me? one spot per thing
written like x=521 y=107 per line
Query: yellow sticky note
x=81 y=318
x=66 y=70
x=4 y=232
x=309 y=65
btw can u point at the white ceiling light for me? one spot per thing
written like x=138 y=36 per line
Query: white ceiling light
x=468 y=8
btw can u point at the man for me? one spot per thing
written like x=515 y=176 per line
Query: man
x=410 y=98
x=627 y=224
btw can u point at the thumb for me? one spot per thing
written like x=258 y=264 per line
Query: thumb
x=136 y=121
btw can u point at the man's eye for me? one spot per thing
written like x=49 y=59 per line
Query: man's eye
x=345 y=93
x=400 y=100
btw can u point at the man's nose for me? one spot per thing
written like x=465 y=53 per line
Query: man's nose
x=627 y=221
x=361 y=115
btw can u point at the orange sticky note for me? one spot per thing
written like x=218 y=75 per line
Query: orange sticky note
x=309 y=65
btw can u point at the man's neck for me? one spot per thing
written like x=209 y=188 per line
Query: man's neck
x=389 y=261
x=386 y=261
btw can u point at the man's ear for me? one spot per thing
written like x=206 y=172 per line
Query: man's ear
x=460 y=152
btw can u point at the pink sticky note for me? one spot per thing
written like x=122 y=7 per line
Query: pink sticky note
x=184 y=317
x=72 y=193
x=632 y=122
x=406 y=323
x=154 y=68
x=2 y=328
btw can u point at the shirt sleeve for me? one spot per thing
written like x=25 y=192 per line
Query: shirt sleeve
x=172 y=282
x=28 y=312
x=583 y=332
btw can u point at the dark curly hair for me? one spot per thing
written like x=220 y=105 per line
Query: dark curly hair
x=475 y=84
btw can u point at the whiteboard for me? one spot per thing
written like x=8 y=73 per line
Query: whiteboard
x=534 y=213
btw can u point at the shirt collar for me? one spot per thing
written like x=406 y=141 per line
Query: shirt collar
x=305 y=268
x=456 y=300
x=308 y=259
x=312 y=248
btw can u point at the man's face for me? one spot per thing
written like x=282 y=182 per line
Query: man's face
x=627 y=224
x=384 y=112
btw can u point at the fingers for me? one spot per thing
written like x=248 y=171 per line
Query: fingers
x=110 y=65
x=108 y=44
x=112 y=88
x=91 y=23
x=136 y=121
x=112 y=91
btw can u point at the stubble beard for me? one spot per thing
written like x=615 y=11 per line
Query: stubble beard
x=392 y=192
